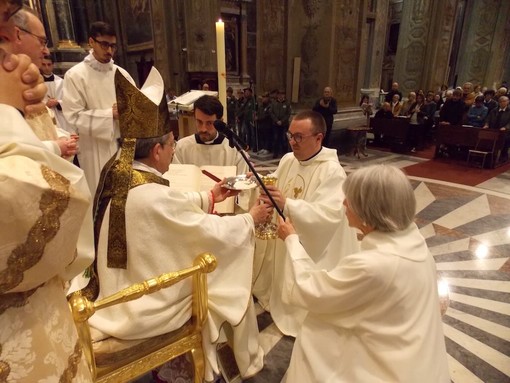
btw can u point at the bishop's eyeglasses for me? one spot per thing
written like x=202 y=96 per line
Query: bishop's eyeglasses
x=42 y=39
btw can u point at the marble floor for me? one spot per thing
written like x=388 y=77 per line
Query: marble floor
x=468 y=232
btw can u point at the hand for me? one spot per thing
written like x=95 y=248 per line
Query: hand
x=115 y=112
x=260 y=212
x=220 y=193
x=324 y=103
x=277 y=195
x=22 y=85
x=285 y=228
x=68 y=146
x=51 y=103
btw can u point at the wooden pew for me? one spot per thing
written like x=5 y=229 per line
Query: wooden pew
x=394 y=130
x=462 y=135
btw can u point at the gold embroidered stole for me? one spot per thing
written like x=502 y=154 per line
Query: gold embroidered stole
x=101 y=201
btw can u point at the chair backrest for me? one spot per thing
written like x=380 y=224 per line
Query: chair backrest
x=82 y=309
x=487 y=140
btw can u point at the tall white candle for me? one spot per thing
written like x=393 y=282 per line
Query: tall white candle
x=222 y=71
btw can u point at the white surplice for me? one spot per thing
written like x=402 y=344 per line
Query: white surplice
x=89 y=94
x=41 y=227
x=373 y=318
x=216 y=153
x=189 y=151
x=314 y=205
x=56 y=91
x=165 y=231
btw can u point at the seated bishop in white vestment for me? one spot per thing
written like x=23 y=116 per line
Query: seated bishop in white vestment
x=162 y=230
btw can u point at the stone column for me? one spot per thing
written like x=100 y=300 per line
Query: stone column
x=243 y=74
x=309 y=36
x=378 y=43
x=411 y=58
x=345 y=52
x=201 y=35
x=81 y=22
x=441 y=34
x=165 y=23
x=485 y=43
x=271 y=45
x=64 y=24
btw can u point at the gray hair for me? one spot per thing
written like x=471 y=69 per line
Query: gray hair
x=145 y=145
x=21 y=18
x=381 y=196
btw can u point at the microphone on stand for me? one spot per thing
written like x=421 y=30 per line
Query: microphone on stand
x=221 y=127
x=235 y=141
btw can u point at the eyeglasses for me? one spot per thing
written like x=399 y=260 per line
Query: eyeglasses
x=42 y=40
x=298 y=137
x=105 y=44
x=173 y=144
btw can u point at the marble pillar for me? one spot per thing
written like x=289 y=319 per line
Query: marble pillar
x=243 y=74
x=64 y=24
x=271 y=45
x=485 y=43
x=374 y=45
x=159 y=17
x=80 y=21
x=439 y=44
x=309 y=36
x=411 y=59
x=346 y=38
x=200 y=35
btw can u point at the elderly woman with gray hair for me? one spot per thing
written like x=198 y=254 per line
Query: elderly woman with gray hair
x=375 y=316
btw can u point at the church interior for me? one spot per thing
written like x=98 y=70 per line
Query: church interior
x=354 y=47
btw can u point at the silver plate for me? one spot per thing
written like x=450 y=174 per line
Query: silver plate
x=240 y=183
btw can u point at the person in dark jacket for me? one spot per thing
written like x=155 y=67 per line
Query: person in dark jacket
x=327 y=107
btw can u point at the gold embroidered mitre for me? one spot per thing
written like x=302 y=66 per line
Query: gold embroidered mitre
x=143 y=113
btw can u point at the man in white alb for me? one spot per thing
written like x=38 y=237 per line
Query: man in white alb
x=309 y=192
x=207 y=146
x=89 y=102
x=53 y=98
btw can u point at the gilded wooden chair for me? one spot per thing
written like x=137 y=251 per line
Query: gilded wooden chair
x=116 y=360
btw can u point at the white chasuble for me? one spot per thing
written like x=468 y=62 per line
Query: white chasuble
x=42 y=218
x=165 y=231
x=314 y=205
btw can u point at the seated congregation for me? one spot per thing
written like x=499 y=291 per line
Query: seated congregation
x=443 y=119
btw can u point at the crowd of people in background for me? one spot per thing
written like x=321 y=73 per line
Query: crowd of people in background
x=467 y=105
x=260 y=121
